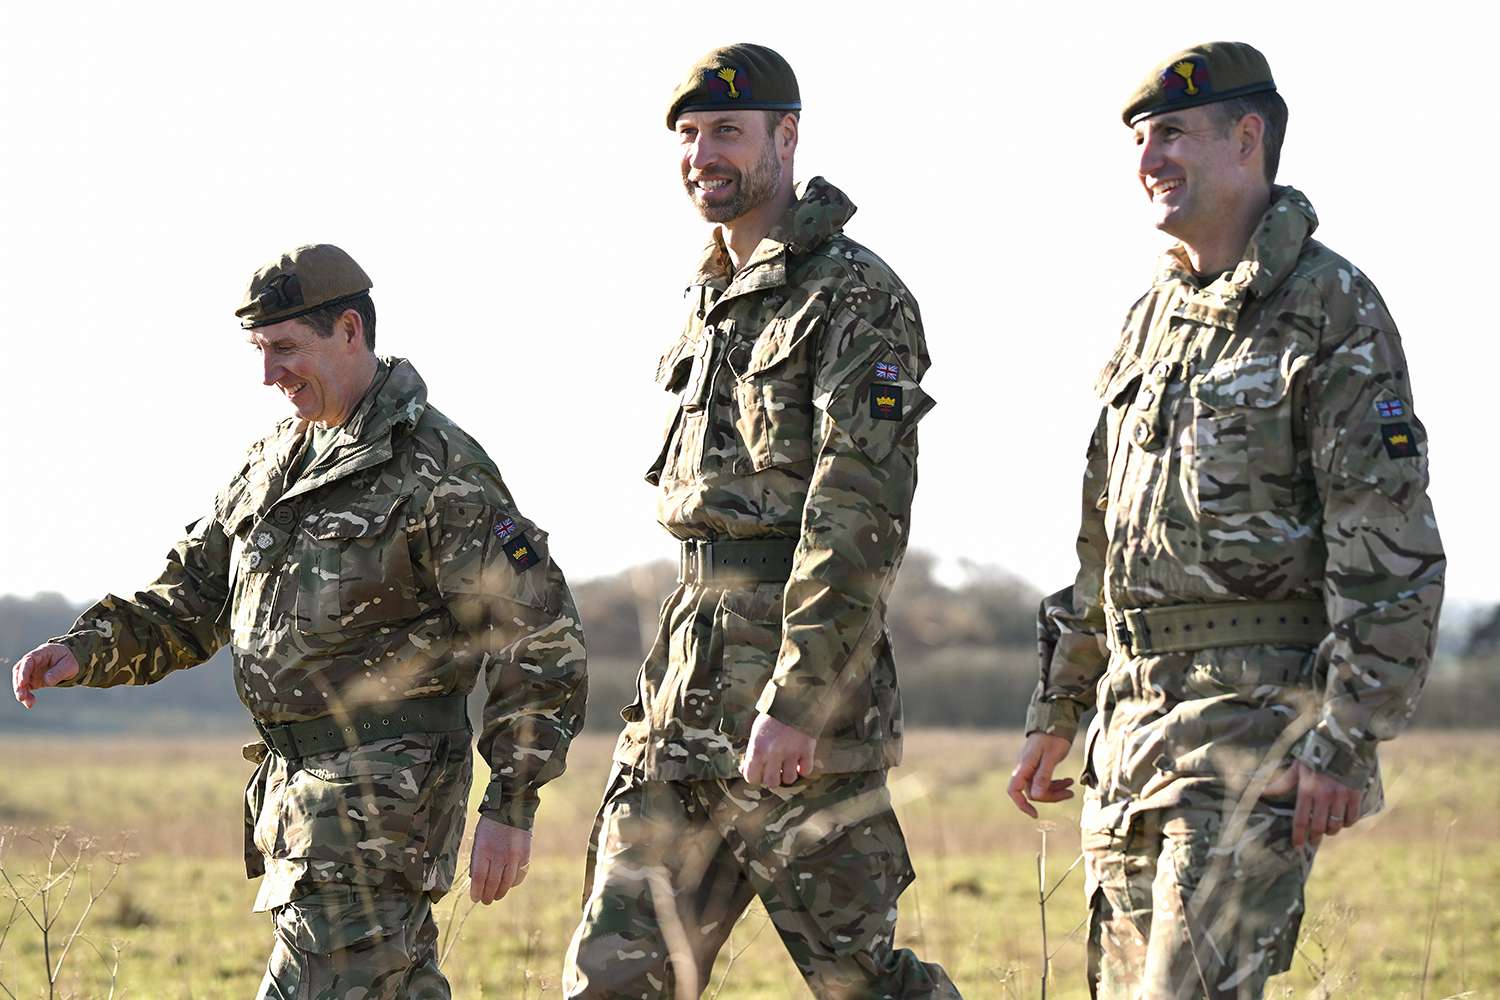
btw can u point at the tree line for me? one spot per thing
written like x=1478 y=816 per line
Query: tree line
x=965 y=654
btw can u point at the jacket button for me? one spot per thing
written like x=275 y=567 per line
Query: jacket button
x=1142 y=432
x=282 y=516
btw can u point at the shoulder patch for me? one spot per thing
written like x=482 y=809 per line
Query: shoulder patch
x=885 y=401
x=1398 y=440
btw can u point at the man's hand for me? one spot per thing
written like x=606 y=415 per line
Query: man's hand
x=502 y=854
x=778 y=754
x=50 y=663
x=1032 y=778
x=1325 y=805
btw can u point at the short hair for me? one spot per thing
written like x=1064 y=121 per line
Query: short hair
x=1272 y=110
x=322 y=320
x=773 y=119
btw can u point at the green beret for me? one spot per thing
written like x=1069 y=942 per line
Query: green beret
x=1203 y=74
x=737 y=77
x=301 y=281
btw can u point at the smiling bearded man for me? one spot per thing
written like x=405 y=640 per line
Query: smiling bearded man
x=364 y=565
x=754 y=758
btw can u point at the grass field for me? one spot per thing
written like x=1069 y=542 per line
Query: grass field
x=181 y=907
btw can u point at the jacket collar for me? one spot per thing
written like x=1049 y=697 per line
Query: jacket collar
x=392 y=405
x=1270 y=257
x=818 y=215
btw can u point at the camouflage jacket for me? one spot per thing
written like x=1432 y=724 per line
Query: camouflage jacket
x=1257 y=442
x=797 y=382
x=396 y=567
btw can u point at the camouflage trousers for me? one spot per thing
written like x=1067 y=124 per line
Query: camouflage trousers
x=342 y=942
x=672 y=865
x=1184 y=906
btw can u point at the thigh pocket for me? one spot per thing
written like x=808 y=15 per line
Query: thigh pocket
x=849 y=880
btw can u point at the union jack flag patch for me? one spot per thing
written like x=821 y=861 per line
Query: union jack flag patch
x=1388 y=408
x=887 y=372
x=504 y=528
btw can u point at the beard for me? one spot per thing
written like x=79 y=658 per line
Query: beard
x=751 y=190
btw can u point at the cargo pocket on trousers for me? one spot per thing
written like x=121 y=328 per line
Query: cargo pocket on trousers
x=849 y=881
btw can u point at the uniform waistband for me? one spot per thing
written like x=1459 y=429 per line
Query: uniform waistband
x=367 y=723
x=722 y=562
x=1182 y=628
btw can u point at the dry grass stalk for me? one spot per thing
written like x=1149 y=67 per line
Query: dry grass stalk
x=41 y=898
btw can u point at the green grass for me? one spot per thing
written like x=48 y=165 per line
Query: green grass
x=181 y=907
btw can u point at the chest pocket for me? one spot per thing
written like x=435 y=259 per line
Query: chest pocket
x=683 y=370
x=1241 y=455
x=1116 y=388
x=355 y=571
x=773 y=399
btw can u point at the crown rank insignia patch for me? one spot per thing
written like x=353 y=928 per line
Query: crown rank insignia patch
x=1398 y=440
x=522 y=553
x=885 y=401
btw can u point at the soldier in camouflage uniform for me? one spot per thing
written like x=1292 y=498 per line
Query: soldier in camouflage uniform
x=1260 y=570
x=754 y=758
x=365 y=564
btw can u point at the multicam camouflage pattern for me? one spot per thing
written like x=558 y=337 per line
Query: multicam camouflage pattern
x=1245 y=452
x=337 y=943
x=1186 y=908
x=673 y=864
x=798 y=384
x=396 y=567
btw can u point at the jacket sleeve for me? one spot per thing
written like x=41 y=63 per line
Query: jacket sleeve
x=1071 y=631
x=1383 y=580
x=868 y=398
x=513 y=611
x=177 y=622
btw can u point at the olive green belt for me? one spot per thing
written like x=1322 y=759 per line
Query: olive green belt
x=1180 y=628
x=722 y=562
x=364 y=724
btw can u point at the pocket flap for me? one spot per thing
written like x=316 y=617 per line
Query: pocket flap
x=673 y=367
x=336 y=524
x=772 y=348
x=1118 y=378
x=1255 y=382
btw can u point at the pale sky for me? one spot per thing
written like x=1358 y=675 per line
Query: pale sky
x=504 y=173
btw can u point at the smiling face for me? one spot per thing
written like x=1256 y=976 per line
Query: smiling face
x=322 y=377
x=1192 y=169
x=732 y=163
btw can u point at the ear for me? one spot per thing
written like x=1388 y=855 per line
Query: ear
x=1249 y=132
x=351 y=327
x=786 y=135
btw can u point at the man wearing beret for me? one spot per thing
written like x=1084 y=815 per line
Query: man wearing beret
x=1260 y=570
x=754 y=759
x=364 y=565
